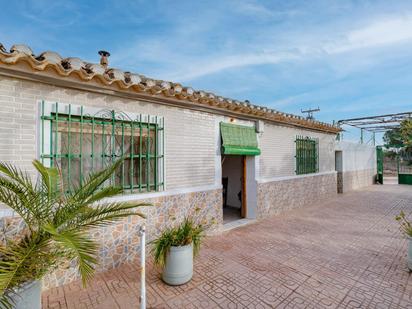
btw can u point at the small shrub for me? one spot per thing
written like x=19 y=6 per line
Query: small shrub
x=405 y=224
x=188 y=232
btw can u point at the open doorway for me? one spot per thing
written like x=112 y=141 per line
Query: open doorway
x=339 y=170
x=234 y=187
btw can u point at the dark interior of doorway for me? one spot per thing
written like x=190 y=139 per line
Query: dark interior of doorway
x=233 y=188
x=339 y=170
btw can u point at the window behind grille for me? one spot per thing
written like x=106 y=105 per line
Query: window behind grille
x=81 y=143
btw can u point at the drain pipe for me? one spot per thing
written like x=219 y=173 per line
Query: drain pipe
x=142 y=234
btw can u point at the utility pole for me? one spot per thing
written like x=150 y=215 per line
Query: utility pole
x=310 y=112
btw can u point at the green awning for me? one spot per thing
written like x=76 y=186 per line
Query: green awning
x=238 y=140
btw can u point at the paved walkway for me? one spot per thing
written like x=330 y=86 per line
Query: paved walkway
x=344 y=253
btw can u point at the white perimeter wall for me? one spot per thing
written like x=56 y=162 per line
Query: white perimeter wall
x=357 y=157
x=358 y=165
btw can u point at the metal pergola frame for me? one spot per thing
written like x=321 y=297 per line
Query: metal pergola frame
x=376 y=124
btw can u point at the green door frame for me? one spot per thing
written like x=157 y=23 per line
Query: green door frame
x=379 y=162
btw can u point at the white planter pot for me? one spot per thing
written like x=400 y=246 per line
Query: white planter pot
x=179 y=265
x=410 y=253
x=28 y=296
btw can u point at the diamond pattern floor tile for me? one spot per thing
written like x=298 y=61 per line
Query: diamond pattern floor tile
x=346 y=252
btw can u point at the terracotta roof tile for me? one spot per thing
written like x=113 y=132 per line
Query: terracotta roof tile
x=139 y=83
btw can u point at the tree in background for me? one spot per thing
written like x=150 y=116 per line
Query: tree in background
x=406 y=133
x=393 y=138
x=400 y=137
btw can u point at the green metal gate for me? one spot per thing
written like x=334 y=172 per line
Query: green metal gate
x=379 y=159
x=404 y=170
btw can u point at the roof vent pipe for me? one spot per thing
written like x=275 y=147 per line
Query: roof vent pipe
x=104 y=58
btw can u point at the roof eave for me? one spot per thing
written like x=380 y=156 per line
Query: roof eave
x=115 y=82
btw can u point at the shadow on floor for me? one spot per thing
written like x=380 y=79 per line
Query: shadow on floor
x=231 y=214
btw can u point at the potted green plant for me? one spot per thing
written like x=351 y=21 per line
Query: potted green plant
x=174 y=250
x=406 y=229
x=57 y=225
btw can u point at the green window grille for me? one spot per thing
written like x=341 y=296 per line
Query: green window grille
x=80 y=143
x=307 y=155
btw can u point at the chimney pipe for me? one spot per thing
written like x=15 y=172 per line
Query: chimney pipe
x=104 y=59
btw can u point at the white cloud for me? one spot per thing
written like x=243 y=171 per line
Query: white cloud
x=383 y=33
x=387 y=31
x=219 y=64
x=186 y=53
x=50 y=13
x=256 y=9
x=253 y=8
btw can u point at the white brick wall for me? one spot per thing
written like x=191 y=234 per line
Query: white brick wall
x=190 y=148
x=17 y=123
x=189 y=135
x=278 y=148
x=190 y=139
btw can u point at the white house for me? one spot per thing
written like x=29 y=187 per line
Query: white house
x=186 y=151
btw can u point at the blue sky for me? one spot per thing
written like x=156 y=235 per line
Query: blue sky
x=350 y=58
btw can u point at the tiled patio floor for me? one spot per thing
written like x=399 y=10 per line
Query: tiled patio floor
x=344 y=253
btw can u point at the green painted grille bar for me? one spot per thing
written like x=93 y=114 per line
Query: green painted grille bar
x=103 y=137
x=140 y=151
x=102 y=154
x=162 y=121
x=156 y=152
x=307 y=155
x=113 y=144
x=81 y=145
x=131 y=156
x=148 y=155
x=56 y=129
x=69 y=135
x=122 y=156
x=92 y=150
x=42 y=130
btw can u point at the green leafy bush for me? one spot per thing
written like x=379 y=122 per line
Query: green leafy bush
x=57 y=224
x=188 y=232
x=405 y=224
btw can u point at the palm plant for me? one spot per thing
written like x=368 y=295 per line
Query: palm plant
x=57 y=223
